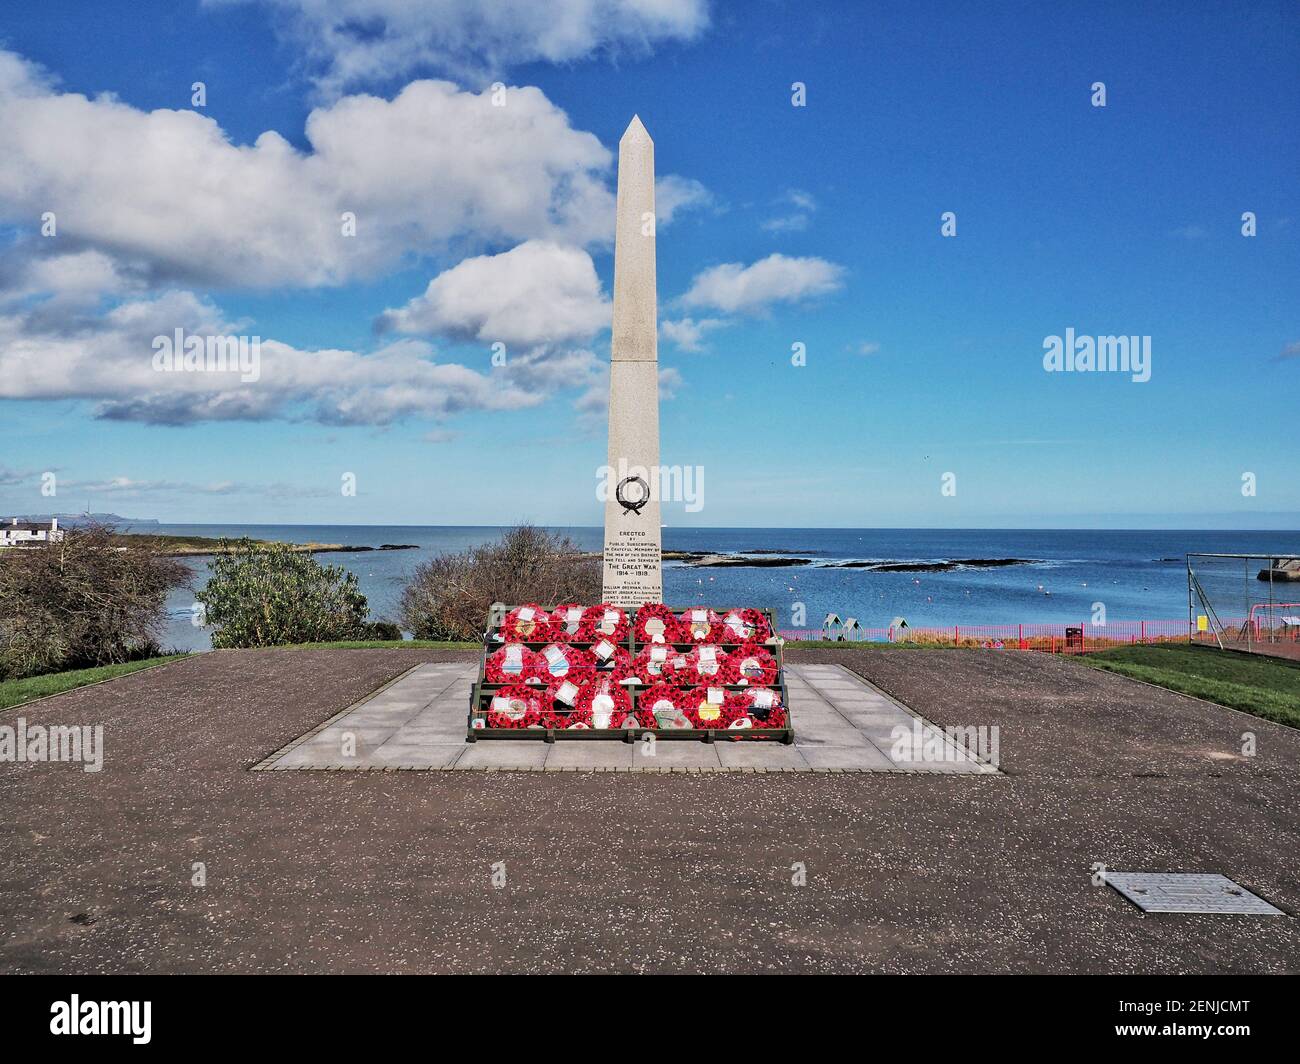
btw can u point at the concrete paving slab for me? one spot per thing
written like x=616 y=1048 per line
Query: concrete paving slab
x=861 y=758
x=679 y=753
x=841 y=722
x=768 y=756
x=590 y=756
x=526 y=754
x=419 y=754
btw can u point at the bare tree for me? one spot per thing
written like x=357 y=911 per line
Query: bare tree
x=448 y=597
x=93 y=598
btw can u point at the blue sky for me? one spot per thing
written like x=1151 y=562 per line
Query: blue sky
x=924 y=352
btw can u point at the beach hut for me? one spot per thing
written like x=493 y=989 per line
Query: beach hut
x=832 y=628
x=850 y=626
x=898 y=628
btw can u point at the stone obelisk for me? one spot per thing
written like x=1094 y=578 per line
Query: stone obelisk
x=633 y=559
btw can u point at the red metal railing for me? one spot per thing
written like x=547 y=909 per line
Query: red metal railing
x=1078 y=638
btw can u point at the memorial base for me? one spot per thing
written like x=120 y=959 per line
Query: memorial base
x=483 y=692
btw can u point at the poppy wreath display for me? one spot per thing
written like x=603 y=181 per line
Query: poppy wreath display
x=704 y=665
x=612 y=659
x=760 y=705
x=578 y=720
x=605 y=701
x=653 y=665
x=566 y=622
x=705 y=707
x=527 y=624
x=699 y=625
x=664 y=702
x=556 y=661
x=604 y=622
x=562 y=696
x=516 y=706
x=753 y=665
x=513 y=663
x=642 y=718
x=551 y=719
x=656 y=623
x=745 y=626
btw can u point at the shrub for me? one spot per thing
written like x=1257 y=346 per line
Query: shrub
x=266 y=594
x=383 y=631
x=449 y=596
x=95 y=598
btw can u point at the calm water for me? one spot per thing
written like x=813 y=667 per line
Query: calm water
x=1138 y=575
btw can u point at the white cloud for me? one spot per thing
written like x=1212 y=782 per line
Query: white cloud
x=1291 y=350
x=151 y=205
x=109 y=361
x=170 y=199
x=536 y=293
x=786 y=223
x=70 y=278
x=867 y=347
x=674 y=193
x=130 y=488
x=688 y=333
x=796 y=220
x=735 y=288
x=356 y=41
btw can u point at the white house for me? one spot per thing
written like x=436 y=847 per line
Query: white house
x=15 y=533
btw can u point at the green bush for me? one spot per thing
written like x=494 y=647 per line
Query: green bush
x=383 y=632
x=449 y=596
x=265 y=595
x=95 y=598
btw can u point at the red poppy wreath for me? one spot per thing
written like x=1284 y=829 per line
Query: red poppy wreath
x=760 y=705
x=557 y=661
x=664 y=703
x=656 y=623
x=611 y=658
x=653 y=665
x=606 y=702
x=745 y=626
x=513 y=663
x=705 y=707
x=704 y=665
x=562 y=695
x=604 y=622
x=700 y=625
x=516 y=706
x=527 y=624
x=566 y=622
x=753 y=665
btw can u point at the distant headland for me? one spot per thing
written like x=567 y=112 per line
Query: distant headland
x=197 y=546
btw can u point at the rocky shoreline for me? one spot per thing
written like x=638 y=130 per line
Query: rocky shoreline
x=769 y=559
x=202 y=546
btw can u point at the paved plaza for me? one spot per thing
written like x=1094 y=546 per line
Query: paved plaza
x=842 y=724
x=377 y=871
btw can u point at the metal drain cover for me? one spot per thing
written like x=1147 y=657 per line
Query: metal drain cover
x=1188 y=892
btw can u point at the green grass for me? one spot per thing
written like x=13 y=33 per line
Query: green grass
x=380 y=644
x=1266 y=687
x=15 y=692
x=865 y=644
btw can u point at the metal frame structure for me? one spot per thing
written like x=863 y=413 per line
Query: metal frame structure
x=1249 y=630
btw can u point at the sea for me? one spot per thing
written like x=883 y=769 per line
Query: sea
x=1136 y=575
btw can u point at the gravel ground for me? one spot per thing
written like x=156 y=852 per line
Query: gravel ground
x=364 y=872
